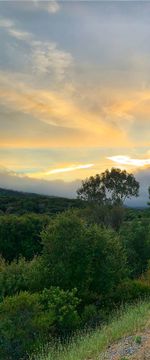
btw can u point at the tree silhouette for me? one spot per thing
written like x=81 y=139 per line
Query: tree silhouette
x=112 y=186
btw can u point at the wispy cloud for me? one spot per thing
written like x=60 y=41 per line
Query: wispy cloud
x=6 y=23
x=59 y=110
x=70 y=168
x=44 y=56
x=13 y=31
x=51 y=6
x=46 y=174
x=126 y=160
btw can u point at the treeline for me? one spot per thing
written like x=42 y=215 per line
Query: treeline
x=69 y=271
x=19 y=203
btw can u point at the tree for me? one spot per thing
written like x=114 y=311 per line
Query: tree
x=135 y=237
x=82 y=256
x=20 y=235
x=92 y=190
x=120 y=185
x=113 y=187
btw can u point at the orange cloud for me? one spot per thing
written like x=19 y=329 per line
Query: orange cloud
x=59 y=111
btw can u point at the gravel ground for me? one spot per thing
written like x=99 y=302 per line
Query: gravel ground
x=132 y=347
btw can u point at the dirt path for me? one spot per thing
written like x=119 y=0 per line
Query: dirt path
x=135 y=347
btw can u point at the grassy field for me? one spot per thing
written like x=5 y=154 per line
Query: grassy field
x=90 y=346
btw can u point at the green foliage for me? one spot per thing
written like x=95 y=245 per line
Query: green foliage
x=18 y=203
x=138 y=339
x=94 y=344
x=20 y=235
x=120 y=185
x=129 y=291
x=92 y=190
x=105 y=215
x=92 y=316
x=27 y=320
x=22 y=321
x=136 y=240
x=99 y=250
x=112 y=186
x=64 y=305
x=20 y=275
x=86 y=257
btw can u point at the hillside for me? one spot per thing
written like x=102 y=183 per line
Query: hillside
x=16 y=202
x=127 y=336
x=61 y=274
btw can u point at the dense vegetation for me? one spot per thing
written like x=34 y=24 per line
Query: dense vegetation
x=18 y=203
x=93 y=344
x=66 y=269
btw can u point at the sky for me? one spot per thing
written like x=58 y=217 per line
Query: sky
x=74 y=92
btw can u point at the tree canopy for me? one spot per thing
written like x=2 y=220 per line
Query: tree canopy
x=112 y=186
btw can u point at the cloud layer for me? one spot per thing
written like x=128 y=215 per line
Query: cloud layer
x=61 y=188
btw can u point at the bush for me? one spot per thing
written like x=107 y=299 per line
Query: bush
x=22 y=323
x=92 y=316
x=136 y=241
x=89 y=258
x=104 y=215
x=20 y=235
x=64 y=305
x=29 y=320
x=129 y=291
x=21 y=275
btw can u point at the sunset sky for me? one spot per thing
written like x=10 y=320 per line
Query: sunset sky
x=74 y=90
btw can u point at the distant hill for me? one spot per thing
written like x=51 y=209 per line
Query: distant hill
x=16 y=202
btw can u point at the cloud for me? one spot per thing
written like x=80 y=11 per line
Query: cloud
x=44 y=56
x=10 y=180
x=126 y=160
x=71 y=168
x=50 y=6
x=11 y=29
x=61 y=170
x=58 y=109
x=6 y=23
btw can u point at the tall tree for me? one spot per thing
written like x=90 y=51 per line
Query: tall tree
x=92 y=190
x=113 y=186
x=120 y=185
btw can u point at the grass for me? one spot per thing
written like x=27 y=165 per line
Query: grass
x=90 y=346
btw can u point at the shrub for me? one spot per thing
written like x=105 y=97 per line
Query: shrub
x=29 y=320
x=136 y=241
x=92 y=316
x=64 y=305
x=89 y=258
x=20 y=235
x=21 y=275
x=129 y=291
x=22 y=322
